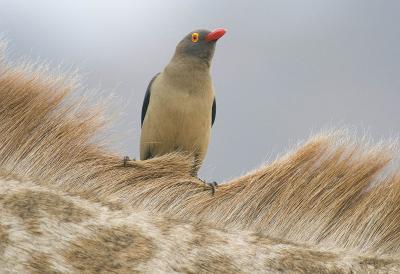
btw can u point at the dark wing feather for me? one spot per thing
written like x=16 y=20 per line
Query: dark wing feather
x=146 y=100
x=213 y=112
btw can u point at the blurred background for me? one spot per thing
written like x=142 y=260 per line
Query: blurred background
x=285 y=68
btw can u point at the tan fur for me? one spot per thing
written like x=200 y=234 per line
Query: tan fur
x=3 y=238
x=330 y=206
x=131 y=241
x=179 y=113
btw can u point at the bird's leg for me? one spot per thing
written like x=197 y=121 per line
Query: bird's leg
x=126 y=160
x=213 y=185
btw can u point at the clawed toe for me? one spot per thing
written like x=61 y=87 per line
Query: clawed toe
x=126 y=160
x=213 y=185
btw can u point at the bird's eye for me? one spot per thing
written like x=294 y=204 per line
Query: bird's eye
x=195 y=37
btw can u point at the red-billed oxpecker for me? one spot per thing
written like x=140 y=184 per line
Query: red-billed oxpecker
x=179 y=107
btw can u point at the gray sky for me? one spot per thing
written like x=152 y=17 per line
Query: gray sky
x=283 y=70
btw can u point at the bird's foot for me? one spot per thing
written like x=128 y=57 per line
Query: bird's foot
x=126 y=160
x=213 y=185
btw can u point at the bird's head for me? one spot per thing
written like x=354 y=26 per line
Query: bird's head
x=199 y=44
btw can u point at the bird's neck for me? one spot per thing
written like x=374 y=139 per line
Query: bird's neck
x=188 y=70
x=180 y=62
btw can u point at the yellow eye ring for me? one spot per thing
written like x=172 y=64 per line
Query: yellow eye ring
x=195 y=37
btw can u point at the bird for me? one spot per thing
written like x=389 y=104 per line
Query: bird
x=179 y=106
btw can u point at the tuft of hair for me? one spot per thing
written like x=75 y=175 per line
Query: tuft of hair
x=331 y=191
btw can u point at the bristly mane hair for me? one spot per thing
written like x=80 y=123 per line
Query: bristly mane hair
x=331 y=191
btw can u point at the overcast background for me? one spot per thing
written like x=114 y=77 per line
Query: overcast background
x=283 y=70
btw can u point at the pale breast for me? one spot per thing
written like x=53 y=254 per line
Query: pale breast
x=177 y=119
